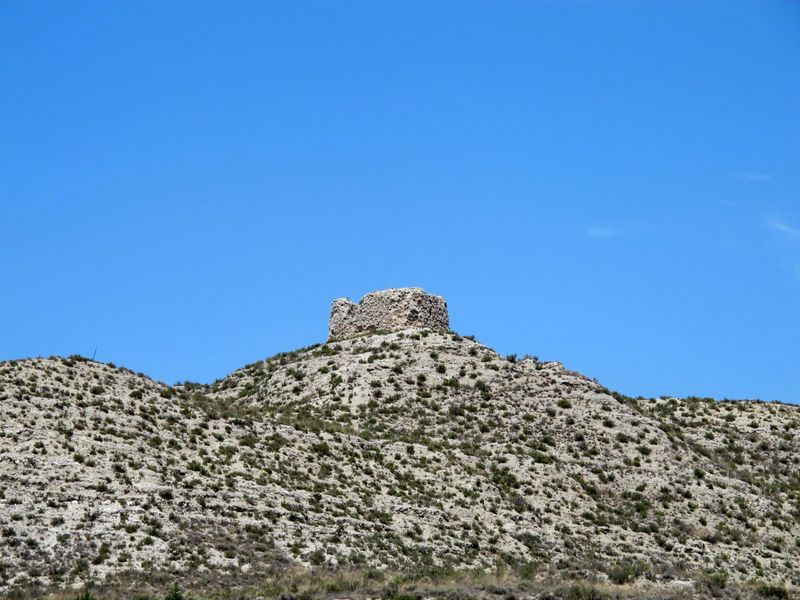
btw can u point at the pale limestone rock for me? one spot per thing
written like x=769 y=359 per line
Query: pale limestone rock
x=388 y=310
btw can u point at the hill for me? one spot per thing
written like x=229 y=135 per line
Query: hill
x=408 y=452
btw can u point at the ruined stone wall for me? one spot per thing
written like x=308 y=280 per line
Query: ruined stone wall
x=388 y=310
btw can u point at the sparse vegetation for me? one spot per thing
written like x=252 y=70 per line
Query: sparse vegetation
x=395 y=464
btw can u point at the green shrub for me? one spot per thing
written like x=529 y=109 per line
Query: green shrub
x=770 y=590
x=626 y=572
x=248 y=440
x=714 y=581
x=321 y=448
x=174 y=593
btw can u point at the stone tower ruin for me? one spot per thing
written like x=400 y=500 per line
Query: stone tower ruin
x=388 y=310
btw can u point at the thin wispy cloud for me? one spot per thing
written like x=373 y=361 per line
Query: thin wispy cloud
x=744 y=204
x=753 y=176
x=602 y=232
x=783 y=227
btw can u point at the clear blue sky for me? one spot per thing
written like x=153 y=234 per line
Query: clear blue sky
x=615 y=185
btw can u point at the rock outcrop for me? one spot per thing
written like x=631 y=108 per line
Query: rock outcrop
x=388 y=310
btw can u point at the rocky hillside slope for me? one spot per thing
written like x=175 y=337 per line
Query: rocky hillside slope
x=400 y=451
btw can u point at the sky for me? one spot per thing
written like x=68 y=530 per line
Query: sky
x=186 y=186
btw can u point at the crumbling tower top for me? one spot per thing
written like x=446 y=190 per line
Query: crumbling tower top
x=388 y=310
